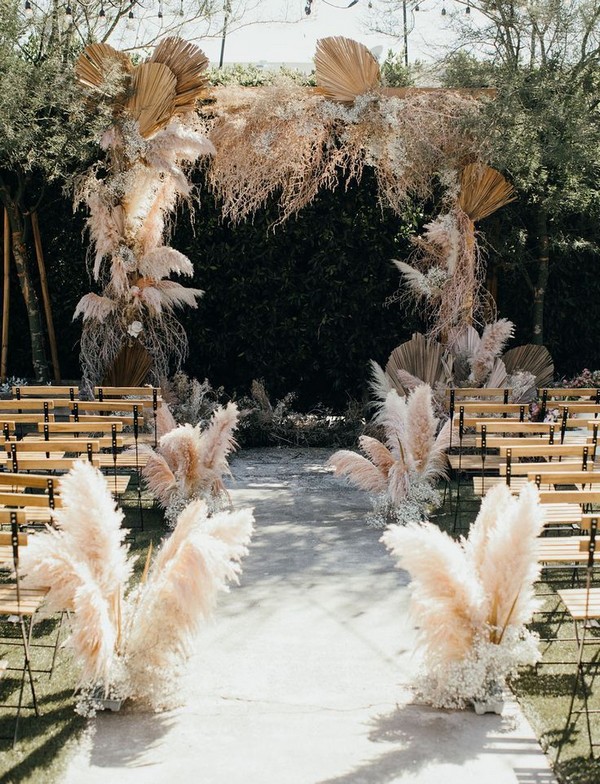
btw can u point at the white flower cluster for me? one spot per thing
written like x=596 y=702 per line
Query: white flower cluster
x=420 y=498
x=479 y=675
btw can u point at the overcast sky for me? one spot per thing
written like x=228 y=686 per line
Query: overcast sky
x=295 y=42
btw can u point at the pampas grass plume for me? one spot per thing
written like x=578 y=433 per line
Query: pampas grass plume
x=359 y=470
x=447 y=600
x=190 y=569
x=91 y=522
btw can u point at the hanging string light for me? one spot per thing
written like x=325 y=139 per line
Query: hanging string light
x=68 y=15
x=160 y=10
x=102 y=12
x=468 y=9
x=443 y=10
x=28 y=9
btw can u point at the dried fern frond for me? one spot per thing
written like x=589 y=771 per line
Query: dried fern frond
x=530 y=358
x=153 y=101
x=189 y=63
x=483 y=190
x=97 y=61
x=344 y=69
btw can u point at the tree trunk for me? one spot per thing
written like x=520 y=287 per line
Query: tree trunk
x=539 y=292
x=23 y=266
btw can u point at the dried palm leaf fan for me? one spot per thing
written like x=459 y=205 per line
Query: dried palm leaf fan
x=422 y=358
x=344 y=69
x=152 y=103
x=189 y=63
x=533 y=359
x=483 y=190
x=97 y=62
x=131 y=366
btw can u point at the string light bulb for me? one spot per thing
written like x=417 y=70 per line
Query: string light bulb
x=68 y=14
x=28 y=9
x=102 y=12
x=468 y=9
x=443 y=10
x=160 y=10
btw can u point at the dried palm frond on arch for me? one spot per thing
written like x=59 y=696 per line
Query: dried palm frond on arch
x=531 y=358
x=445 y=273
x=344 y=69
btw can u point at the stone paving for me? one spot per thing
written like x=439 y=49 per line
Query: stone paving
x=303 y=678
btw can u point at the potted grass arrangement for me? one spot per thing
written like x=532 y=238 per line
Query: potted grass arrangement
x=471 y=599
x=400 y=472
x=190 y=462
x=131 y=641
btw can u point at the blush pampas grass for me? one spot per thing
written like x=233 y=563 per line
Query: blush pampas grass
x=190 y=462
x=197 y=561
x=86 y=564
x=471 y=599
x=132 y=643
x=401 y=471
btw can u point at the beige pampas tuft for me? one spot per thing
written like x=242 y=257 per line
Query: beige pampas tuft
x=132 y=646
x=86 y=565
x=471 y=599
x=188 y=572
x=190 y=463
x=412 y=453
x=447 y=600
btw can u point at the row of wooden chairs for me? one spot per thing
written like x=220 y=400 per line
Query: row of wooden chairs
x=59 y=428
x=560 y=459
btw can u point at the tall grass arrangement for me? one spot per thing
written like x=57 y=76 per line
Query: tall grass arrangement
x=190 y=462
x=132 y=643
x=471 y=599
x=130 y=331
x=401 y=470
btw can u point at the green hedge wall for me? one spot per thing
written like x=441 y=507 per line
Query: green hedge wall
x=302 y=307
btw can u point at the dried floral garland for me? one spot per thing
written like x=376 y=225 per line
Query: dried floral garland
x=293 y=142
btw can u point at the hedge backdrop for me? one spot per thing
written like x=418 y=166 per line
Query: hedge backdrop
x=302 y=307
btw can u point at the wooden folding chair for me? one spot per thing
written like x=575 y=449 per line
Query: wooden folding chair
x=19 y=605
x=583 y=606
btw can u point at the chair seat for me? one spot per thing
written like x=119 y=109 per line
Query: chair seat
x=580 y=604
x=473 y=462
x=562 y=549
x=31 y=599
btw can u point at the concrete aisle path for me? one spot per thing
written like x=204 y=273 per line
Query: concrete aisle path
x=303 y=677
